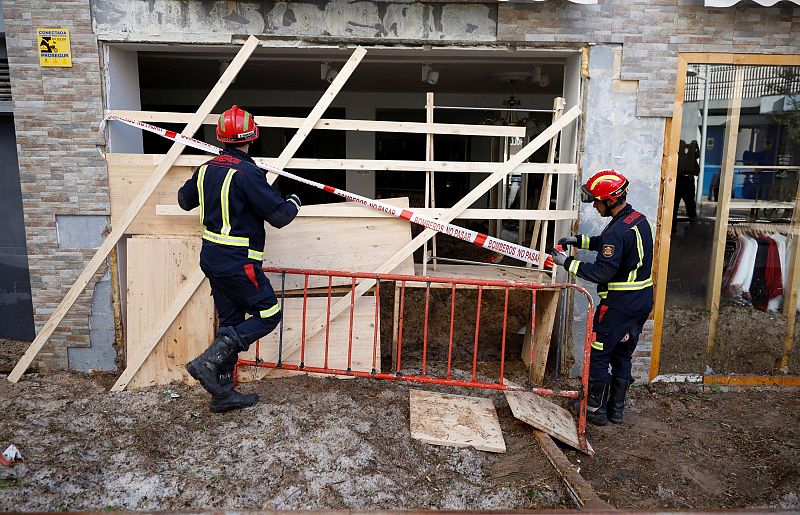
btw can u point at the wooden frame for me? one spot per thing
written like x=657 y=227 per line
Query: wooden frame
x=667 y=204
x=198 y=276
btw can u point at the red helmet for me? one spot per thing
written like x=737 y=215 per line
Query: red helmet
x=605 y=185
x=236 y=126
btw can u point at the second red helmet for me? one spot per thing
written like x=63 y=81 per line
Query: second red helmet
x=236 y=126
x=604 y=185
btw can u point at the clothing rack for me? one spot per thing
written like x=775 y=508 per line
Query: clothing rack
x=751 y=228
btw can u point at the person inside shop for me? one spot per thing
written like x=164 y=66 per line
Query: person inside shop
x=688 y=170
x=622 y=272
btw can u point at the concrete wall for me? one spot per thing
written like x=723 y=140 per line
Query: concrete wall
x=616 y=138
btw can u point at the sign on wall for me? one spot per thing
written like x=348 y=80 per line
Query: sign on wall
x=54 y=47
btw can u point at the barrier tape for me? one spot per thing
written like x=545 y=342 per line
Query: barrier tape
x=482 y=240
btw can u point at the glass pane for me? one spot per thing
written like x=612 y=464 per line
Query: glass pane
x=737 y=183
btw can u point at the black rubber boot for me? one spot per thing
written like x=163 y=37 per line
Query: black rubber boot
x=206 y=367
x=596 y=407
x=231 y=399
x=616 y=400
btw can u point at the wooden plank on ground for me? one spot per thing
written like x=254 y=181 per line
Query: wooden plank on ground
x=546 y=310
x=545 y=416
x=346 y=244
x=151 y=290
x=338 y=339
x=579 y=490
x=150 y=185
x=455 y=420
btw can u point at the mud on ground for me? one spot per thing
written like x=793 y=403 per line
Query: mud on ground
x=748 y=341
x=327 y=443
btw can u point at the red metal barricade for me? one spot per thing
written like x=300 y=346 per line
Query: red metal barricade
x=397 y=373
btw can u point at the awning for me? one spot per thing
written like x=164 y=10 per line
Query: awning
x=729 y=3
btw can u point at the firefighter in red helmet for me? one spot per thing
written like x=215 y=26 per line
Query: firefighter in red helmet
x=622 y=271
x=235 y=200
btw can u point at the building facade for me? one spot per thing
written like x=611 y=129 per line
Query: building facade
x=618 y=59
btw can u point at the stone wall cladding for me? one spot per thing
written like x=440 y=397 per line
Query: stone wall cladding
x=56 y=117
x=652 y=33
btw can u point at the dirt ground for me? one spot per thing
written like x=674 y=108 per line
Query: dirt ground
x=328 y=443
x=749 y=341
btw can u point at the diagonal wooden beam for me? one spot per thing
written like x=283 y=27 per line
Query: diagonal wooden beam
x=293 y=346
x=198 y=276
x=72 y=295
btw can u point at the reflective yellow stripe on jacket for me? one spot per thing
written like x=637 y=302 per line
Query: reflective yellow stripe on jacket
x=630 y=285
x=201 y=175
x=266 y=313
x=233 y=241
x=225 y=201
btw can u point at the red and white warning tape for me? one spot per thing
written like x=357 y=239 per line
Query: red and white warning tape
x=483 y=240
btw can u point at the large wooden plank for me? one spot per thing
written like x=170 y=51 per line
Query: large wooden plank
x=151 y=290
x=723 y=207
x=150 y=185
x=545 y=416
x=579 y=490
x=546 y=310
x=345 y=244
x=361 y=211
x=361 y=358
x=455 y=421
x=193 y=161
x=450 y=214
x=342 y=125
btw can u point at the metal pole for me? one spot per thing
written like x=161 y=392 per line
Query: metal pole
x=703 y=131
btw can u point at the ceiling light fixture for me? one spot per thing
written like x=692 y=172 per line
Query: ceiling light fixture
x=429 y=75
x=327 y=72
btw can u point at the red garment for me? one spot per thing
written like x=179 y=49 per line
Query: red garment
x=773 y=271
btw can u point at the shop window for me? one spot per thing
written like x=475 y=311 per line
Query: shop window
x=734 y=246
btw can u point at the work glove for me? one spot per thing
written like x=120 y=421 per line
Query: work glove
x=294 y=199
x=569 y=240
x=559 y=256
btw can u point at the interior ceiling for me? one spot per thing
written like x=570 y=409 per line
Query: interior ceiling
x=473 y=71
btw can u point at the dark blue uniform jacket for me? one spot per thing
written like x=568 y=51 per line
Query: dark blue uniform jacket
x=235 y=200
x=624 y=265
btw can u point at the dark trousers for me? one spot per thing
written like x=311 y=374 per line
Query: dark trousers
x=244 y=290
x=616 y=336
x=684 y=190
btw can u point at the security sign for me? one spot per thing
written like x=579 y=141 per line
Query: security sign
x=54 y=47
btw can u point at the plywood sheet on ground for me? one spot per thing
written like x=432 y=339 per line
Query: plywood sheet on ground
x=157 y=268
x=545 y=416
x=455 y=420
x=338 y=339
x=334 y=243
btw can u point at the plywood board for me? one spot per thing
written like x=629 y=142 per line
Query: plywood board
x=338 y=339
x=347 y=244
x=546 y=310
x=545 y=416
x=455 y=420
x=151 y=291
